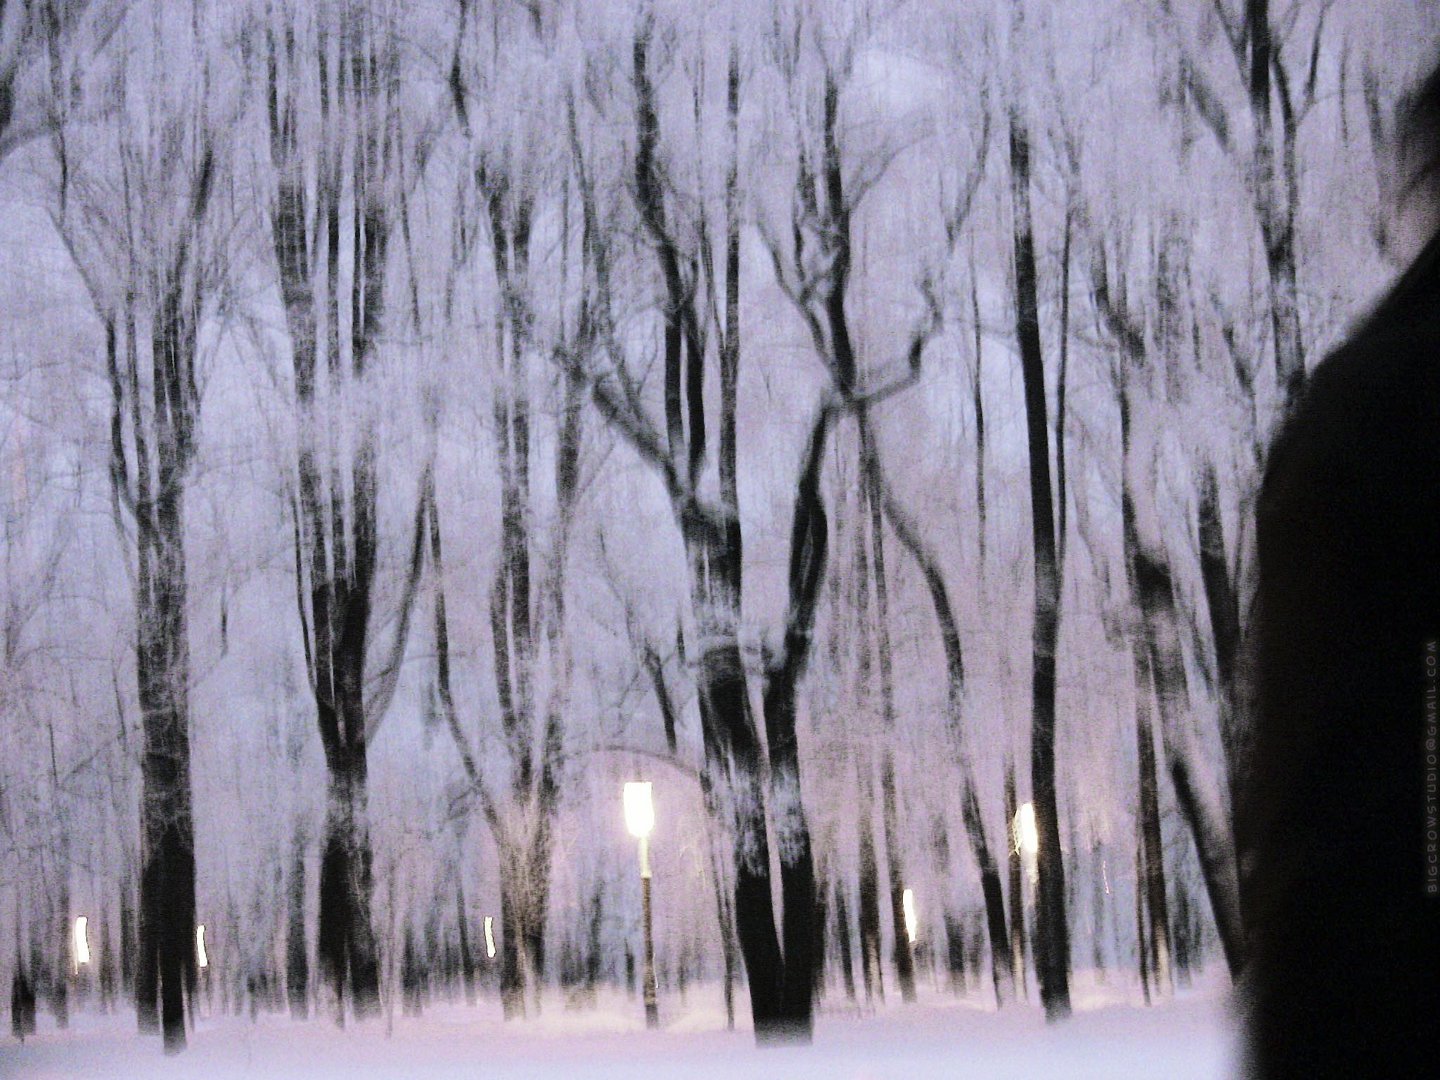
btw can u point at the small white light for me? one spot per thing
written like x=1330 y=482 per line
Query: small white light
x=490 y=936
x=82 y=943
x=1026 y=835
x=907 y=902
x=639 y=810
x=200 y=956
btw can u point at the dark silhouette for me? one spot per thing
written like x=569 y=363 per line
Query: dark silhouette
x=22 y=1004
x=1336 y=814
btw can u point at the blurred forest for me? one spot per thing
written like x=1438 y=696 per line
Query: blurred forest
x=420 y=417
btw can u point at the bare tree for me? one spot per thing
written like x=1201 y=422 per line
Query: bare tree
x=1160 y=666
x=1052 y=944
x=342 y=80
x=144 y=242
x=45 y=47
x=1280 y=88
x=781 y=983
x=527 y=598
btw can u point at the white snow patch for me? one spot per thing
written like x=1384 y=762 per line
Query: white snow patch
x=1108 y=1037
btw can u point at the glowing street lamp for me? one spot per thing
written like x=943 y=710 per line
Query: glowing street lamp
x=907 y=903
x=201 y=958
x=1027 y=837
x=640 y=820
x=82 y=942
x=490 y=936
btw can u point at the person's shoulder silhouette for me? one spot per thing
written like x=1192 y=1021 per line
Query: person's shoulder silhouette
x=1336 y=821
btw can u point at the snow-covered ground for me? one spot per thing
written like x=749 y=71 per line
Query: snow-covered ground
x=1109 y=1037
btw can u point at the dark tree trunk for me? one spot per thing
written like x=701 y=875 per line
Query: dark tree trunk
x=869 y=885
x=129 y=947
x=163 y=446
x=955 y=952
x=22 y=1001
x=1152 y=885
x=809 y=545
x=990 y=882
x=1099 y=890
x=1153 y=590
x=724 y=912
x=1018 y=958
x=1143 y=953
x=335 y=505
x=1004 y=971
x=297 y=956
x=1224 y=609
x=867 y=868
x=347 y=950
x=147 y=956
x=842 y=939
x=889 y=811
x=1052 y=944
x=467 y=960
x=734 y=747
x=60 y=932
x=108 y=981
x=713 y=547
x=1275 y=191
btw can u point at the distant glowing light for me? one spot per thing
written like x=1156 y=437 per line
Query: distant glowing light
x=1027 y=836
x=82 y=943
x=639 y=809
x=201 y=957
x=490 y=936
x=907 y=902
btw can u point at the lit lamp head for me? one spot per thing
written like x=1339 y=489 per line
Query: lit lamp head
x=907 y=904
x=1027 y=839
x=1027 y=836
x=82 y=942
x=639 y=809
x=202 y=959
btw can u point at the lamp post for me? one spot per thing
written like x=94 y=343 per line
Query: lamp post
x=640 y=820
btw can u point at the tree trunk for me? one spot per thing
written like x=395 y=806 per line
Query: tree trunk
x=347 y=950
x=1224 y=609
x=734 y=747
x=512 y=935
x=1152 y=885
x=842 y=939
x=869 y=883
x=1143 y=952
x=990 y=884
x=1099 y=890
x=467 y=960
x=167 y=888
x=809 y=548
x=889 y=813
x=1198 y=802
x=724 y=912
x=1018 y=959
x=1052 y=945
x=1275 y=198
x=297 y=956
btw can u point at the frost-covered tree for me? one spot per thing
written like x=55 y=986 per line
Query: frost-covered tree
x=338 y=149
x=137 y=208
